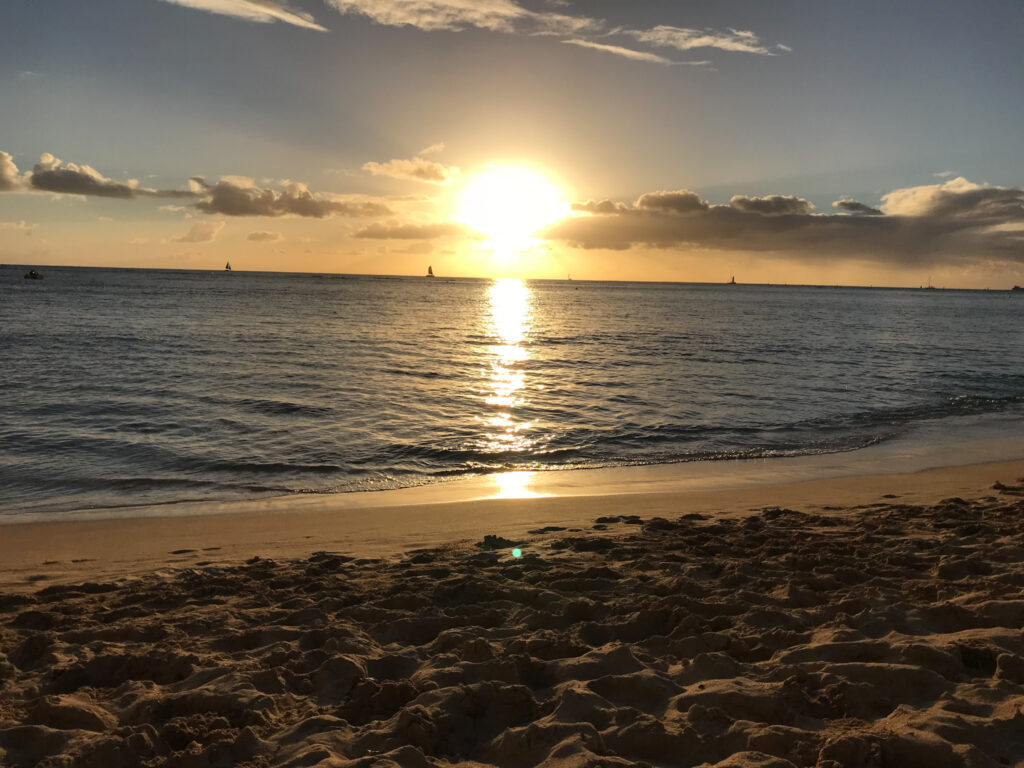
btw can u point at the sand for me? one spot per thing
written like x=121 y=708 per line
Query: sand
x=847 y=622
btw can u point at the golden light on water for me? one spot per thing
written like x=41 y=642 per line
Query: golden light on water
x=508 y=204
x=511 y=314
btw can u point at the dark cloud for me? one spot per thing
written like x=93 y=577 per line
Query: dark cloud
x=411 y=231
x=772 y=205
x=958 y=221
x=264 y=237
x=231 y=196
x=852 y=206
x=679 y=201
x=239 y=196
x=600 y=206
x=52 y=175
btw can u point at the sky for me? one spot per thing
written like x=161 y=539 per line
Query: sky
x=783 y=141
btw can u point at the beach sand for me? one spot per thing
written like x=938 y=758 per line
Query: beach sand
x=856 y=621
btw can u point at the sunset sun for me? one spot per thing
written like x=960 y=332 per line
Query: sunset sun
x=507 y=204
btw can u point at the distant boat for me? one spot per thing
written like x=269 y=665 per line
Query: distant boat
x=732 y=281
x=430 y=271
x=929 y=287
x=1017 y=288
x=227 y=267
x=33 y=275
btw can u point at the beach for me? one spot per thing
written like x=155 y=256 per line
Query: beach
x=841 y=621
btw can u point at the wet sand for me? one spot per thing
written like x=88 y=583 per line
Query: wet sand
x=857 y=621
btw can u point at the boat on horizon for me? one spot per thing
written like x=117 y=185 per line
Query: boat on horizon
x=430 y=271
x=33 y=275
x=732 y=280
x=227 y=267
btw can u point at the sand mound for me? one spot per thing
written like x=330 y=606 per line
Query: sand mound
x=882 y=636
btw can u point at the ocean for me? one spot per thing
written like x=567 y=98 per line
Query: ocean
x=139 y=387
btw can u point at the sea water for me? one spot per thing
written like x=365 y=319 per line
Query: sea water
x=128 y=387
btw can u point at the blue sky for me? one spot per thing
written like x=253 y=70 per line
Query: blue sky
x=816 y=101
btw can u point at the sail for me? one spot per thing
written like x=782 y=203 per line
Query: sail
x=430 y=271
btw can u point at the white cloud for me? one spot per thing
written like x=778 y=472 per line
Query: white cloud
x=627 y=53
x=738 y=40
x=494 y=15
x=201 y=232
x=417 y=169
x=264 y=11
x=16 y=226
x=919 y=201
x=10 y=178
x=433 y=148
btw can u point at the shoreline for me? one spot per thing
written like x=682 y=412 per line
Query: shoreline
x=41 y=554
x=979 y=439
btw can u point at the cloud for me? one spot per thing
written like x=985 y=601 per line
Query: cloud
x=683 y=39
x=264 y=11
x=201 y=232
x=264 y=237
x=51 y=174
x=10 y=178
x=953 y=222
x=28 y=75
x=15 y=226
x=239 y=196
x=509 y=17
x=439 y=147
x=957 y=198
x=600 y=206
x=454 y=15
x=852 y=206
x=417 y=169
x=772 y=205
x=627 y=53
x=394 y=231
x=231 y=196
x=679 y=201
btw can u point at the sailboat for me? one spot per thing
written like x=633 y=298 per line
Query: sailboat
x=227 y=267
x=430 y=271
x=732 y=281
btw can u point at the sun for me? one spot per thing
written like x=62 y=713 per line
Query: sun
x=509 y=203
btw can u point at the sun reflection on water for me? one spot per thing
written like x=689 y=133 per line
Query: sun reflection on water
x=510 y=319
